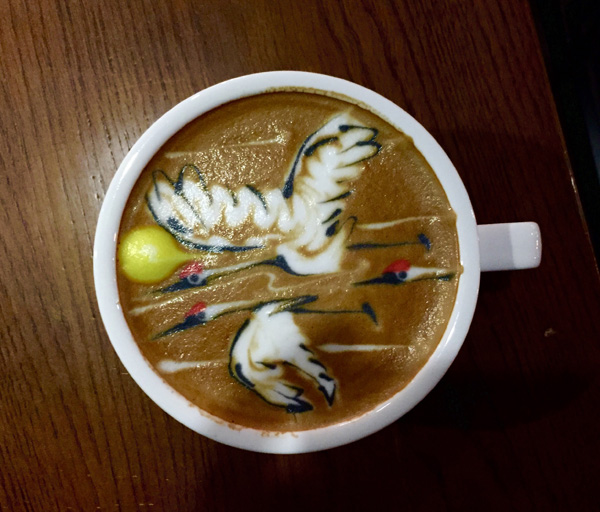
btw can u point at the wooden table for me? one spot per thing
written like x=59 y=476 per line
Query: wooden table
x=512 y=426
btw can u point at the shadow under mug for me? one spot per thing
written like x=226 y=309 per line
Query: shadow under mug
x=482 y=248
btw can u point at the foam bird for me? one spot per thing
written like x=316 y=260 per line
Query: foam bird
x=201 y=313
x=195 y=274
x=401 y=271
x=263 y=346
x=303 y=217
x=268 y=342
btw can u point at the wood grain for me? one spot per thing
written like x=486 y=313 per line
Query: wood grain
x=512 y=426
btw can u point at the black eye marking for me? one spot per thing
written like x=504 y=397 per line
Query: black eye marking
x=193 y=278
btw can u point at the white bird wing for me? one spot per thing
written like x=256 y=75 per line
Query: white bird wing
x=330 y=156
x=320 y=176
x=266 y=343
x=189 y=210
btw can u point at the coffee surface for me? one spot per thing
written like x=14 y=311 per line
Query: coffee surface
x=288 y=261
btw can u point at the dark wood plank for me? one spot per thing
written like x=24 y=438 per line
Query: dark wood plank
x=511 y=427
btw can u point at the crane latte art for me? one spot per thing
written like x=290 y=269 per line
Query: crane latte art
x=288 y=261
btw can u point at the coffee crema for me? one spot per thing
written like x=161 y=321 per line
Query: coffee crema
x=288 y=261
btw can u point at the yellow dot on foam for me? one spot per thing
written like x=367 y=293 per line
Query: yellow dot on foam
x=149 y=255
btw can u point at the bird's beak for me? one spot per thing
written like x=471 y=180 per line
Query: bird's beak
x=177 y=286
x=387 y=278
x=423 y=273
x=190 y=321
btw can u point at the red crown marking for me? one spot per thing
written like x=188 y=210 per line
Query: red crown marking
x=398 y=266
x=198 y=308
x=191 y=268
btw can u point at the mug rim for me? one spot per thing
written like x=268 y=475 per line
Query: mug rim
x=166 y=397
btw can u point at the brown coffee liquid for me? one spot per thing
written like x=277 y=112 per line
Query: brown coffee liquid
x=370 y=324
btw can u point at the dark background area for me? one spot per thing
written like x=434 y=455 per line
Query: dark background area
x=569 y=32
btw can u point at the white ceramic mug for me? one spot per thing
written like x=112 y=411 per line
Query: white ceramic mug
x=491 y=247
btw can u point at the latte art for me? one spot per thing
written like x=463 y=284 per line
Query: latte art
x=287 y=261
x=302 y=215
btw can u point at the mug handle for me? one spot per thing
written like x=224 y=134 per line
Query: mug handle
x=509 y=246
